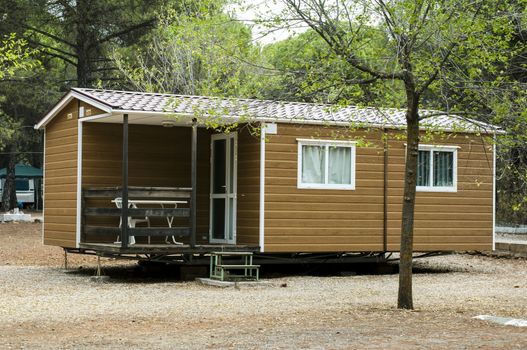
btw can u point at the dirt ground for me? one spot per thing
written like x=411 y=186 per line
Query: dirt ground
x=42 y=306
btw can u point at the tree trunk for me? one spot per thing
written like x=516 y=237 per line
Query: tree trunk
x=9 y=190
x=82 y=45
x=405 y=298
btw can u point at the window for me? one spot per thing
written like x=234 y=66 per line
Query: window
x=22 y=184
x=326 y=164
x=436 y=168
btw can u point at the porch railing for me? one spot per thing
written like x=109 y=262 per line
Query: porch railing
x=97 y=202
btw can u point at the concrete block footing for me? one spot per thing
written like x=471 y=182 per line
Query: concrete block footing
x=235 y=284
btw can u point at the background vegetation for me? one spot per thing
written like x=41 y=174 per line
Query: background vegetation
x=198 y=47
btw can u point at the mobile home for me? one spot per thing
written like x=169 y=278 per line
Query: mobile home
x=28 y=181
x=280 y=177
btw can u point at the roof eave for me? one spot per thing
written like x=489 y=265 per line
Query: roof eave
x=67 y=98
x=234 y=118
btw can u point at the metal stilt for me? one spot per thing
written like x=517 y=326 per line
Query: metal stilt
x=98 y=266
x=65 y=259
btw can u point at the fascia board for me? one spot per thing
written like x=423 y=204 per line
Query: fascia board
x=64 y=101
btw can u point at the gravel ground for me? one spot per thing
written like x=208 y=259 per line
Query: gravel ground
x=511 y=238
x=44 y=307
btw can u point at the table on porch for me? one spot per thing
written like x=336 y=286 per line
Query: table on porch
x=132 y=203
x=166 y=203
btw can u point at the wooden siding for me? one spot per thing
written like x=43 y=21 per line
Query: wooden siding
x=315 y=220
x=459 y=220
x=60 y=178
x=296 y=220
x=90 y=110
x=309 y=220
x=247 y=221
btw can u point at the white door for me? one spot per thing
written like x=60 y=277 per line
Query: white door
x=222 y=227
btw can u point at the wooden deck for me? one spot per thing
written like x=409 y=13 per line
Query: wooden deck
x=163 y=249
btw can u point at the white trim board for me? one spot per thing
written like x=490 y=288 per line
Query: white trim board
x=79 y=184
x=326 y=144
x=43 y=186
x=440 y=148
x=95 y=117
x=261 y=225
x=494 y=194
x=64 y=101
x=231 y=155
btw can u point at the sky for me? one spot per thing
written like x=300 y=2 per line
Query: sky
x=251 y=11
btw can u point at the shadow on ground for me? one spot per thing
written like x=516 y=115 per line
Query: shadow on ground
x=156 y=272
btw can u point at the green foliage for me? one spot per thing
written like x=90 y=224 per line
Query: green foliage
x=16 y=60
x=303 y=68
x=8 y=128
x=16 y=56
x=203 y=52
x=80 y=34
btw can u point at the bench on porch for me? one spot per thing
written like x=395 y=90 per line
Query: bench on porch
x=220 y=268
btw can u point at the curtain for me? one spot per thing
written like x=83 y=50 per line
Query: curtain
x=443 y=168
x=339 y=165
x=313 y=164
x=423 y=168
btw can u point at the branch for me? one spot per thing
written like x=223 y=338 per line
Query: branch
x=125 y=31
x=65 y=59
x=104 y=69
x=433 y=77
x=37 y=43
x=322 y=29
x=49 y=35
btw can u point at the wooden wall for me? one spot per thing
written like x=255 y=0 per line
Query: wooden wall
x=308 y=220
x=247 y=227
x=296 y=220
x=60 y=178
x=459 y=220
x=157 y=157
x=60 y=175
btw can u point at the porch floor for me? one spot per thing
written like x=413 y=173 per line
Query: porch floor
x=165 y=249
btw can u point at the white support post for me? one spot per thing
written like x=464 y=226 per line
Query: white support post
x=79 y=183
x=494 y=193
x=43 y=184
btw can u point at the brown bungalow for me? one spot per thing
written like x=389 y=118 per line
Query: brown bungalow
x=306 y=183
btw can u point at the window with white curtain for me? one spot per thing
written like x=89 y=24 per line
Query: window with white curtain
x=326 y=164
x=437 y=168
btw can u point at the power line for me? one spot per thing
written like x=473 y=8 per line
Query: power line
x=21 y=152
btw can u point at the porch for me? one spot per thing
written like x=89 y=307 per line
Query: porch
x=161 y=231
x=174 y=187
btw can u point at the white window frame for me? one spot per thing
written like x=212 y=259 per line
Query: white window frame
x=326 y=144
x=431 y=187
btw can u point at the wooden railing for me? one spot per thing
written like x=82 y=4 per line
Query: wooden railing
x=103 y=196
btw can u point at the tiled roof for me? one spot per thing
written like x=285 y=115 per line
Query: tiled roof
x=279 y=111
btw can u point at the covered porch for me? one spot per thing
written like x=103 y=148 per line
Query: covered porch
x=173 y=182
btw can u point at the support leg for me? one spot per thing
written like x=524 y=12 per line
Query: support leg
x=98 y=266
x=65 y=259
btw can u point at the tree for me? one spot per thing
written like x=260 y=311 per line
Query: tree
x=73 y=40
x=80 y=33
x=15 y=56
x=425 y=38
x=302 y=68
x=202 y=52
